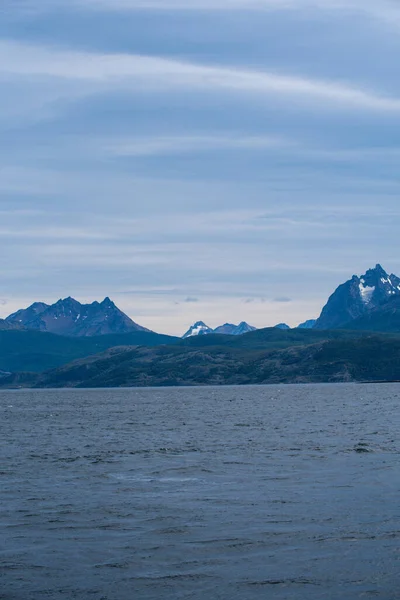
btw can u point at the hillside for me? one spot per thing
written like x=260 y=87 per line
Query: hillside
x=373 y=357
x=6 y=326
x=271 y=337
x=385 y=318
x=37 y=351
x=27 y=350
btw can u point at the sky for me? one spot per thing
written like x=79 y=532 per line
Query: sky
x=222 y=160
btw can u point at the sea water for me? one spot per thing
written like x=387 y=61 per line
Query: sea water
x=277 y=492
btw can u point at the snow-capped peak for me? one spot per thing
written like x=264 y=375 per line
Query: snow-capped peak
x=199 y=328
x=376 y=285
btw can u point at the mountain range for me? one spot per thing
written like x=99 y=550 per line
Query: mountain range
x=69 y=344
x=359 y=297
x=70 y=317
x=200 y=328
x=367 y=302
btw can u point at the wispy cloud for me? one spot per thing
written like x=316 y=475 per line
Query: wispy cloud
x=153 y=146
x=384 y=6
x=386 y=10
x=53 y=233
x=141 y=73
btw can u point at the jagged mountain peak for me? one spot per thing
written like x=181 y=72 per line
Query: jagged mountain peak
x=282 y=326
x=68 y=300
x=379 y=269
x=198 y=328
x=107 y=303
x=232 y=329
x=69 y=303
x=244 y=327
x=358 y=296
x=69 y=317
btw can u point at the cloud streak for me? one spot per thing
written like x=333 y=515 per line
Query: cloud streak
x=385 y=10
x=256 y=5
x=157 y=146
x=147 y=73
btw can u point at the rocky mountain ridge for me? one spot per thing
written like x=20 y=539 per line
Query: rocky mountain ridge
x=200 y=328
x=70 y=317
x=358 y=297
x=369 y=302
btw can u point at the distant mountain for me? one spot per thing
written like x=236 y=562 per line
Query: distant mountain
x=358 y=297
x=200 y=328
x=29 y=350
x=282 y=326
x=243 y=328
x=231 y=329
x=5 y=325
x=307 y=324
x=70 y=317
x=271 y=337
x=227 y=329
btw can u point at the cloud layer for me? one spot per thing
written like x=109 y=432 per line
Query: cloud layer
x=227 y=160
x=139 y=73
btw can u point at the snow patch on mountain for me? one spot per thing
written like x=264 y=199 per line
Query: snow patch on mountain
x=199 y=328
x=366 y=291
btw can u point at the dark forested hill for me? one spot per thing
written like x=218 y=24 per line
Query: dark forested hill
x=369 y=358
x=27 y=350
x=270 y=337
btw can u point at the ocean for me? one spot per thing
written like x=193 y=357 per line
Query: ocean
x=231 y=493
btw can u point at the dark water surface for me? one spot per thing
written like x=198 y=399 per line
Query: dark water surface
x=208 y=493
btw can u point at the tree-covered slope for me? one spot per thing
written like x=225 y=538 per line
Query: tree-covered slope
x=270 y=337
x=25 y=350
x=370 y=358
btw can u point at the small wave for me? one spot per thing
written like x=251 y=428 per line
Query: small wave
x=283 y=582
x=146 y=479
x=175 y=576
x=361 y=447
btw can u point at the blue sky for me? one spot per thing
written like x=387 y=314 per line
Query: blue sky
x=221 y=160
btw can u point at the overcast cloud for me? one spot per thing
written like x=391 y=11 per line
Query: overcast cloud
x=224 y=161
